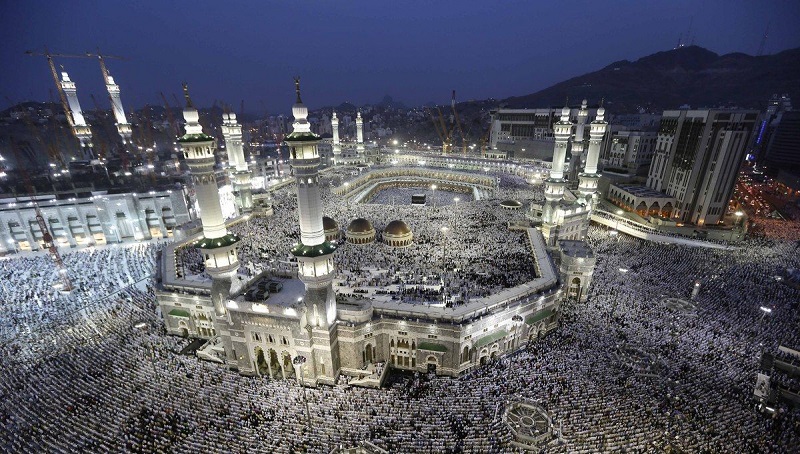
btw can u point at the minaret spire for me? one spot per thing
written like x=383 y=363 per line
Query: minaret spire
x=297 y=89
x=186 y=95
x=314 y=253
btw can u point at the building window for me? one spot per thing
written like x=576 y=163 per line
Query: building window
x=256 y=337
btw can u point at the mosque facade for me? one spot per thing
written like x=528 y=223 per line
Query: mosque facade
x=90 y=218
x=285 y=328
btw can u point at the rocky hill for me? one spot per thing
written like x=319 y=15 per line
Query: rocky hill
x=666 y=80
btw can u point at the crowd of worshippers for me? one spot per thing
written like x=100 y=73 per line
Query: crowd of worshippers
x=623 y=372
x=94 y=371
x=474 y=256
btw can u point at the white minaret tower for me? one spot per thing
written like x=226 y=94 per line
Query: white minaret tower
x=576 y=151
x=314 y=254
x=123 y=127
x=239 y=172
x=590 y=177
x=81 y=129
x=337 y=147
x=359 y=135
x=217 y=245
x=554 y=185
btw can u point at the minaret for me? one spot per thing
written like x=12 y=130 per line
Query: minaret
x=314 y=254
x=123 y=127
x=359 y=135
x=337 y=148
x=576 y=151
x=217 y=245
x=554 y=185
x=590 y=177
x=81 y=129
x=239 y=172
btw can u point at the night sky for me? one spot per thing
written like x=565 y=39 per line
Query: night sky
x=415 y=51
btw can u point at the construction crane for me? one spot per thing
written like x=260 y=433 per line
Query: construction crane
x=54 y=155
x=171 y=118
x=54 y=73
x=445 y=133
x=457 y=122
x=763 y=42
x=101 y=58
x=47 y=237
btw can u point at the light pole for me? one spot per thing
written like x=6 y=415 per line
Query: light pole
x=298 y=362
x=739 y=215
x=516 y=322
x=433 y=195
x=444 y=244
x=766 y=311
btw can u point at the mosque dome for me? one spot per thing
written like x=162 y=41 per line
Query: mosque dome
x=329 y=223
x=397 y=228
x=359 y=225
x=511 y=204
x=360 y=231
x=397 y=234
x=331 y=228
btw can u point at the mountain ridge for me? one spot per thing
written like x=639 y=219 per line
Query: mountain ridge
x=668 y=79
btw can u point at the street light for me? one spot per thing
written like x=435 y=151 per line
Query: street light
x=433 y=196
x=298 y=362
x=616 y=226
x=516 y=322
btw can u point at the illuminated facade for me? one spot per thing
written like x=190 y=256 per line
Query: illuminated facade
x=281 y=322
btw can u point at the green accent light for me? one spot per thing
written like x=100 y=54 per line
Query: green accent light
x=201 y=137
x=301 y=137
x=531 y=319
x=179 y=313
x=430 y=346
x=213 y=243
x=301 y=250
x=486 y=340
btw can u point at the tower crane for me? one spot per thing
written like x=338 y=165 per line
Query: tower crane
x=102 y=155
x=170 y=118
x=445 y=133
x=457 y=121
x=47 y=237
x=54 y=73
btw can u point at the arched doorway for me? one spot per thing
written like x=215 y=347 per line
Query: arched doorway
x=575 y=289
x=484 y=357
x=432 y=362
x=655 y=209
x=666 y=212
x=274 y=363
x=288 y=367
x=369 y=353
x=641 y=209
x=465 y=355
x=261 y=362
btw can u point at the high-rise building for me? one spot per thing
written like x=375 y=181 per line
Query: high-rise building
x=528 y=133
x=769 y=122
x=697 y=158
x=629 y=151
x=783 y=150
